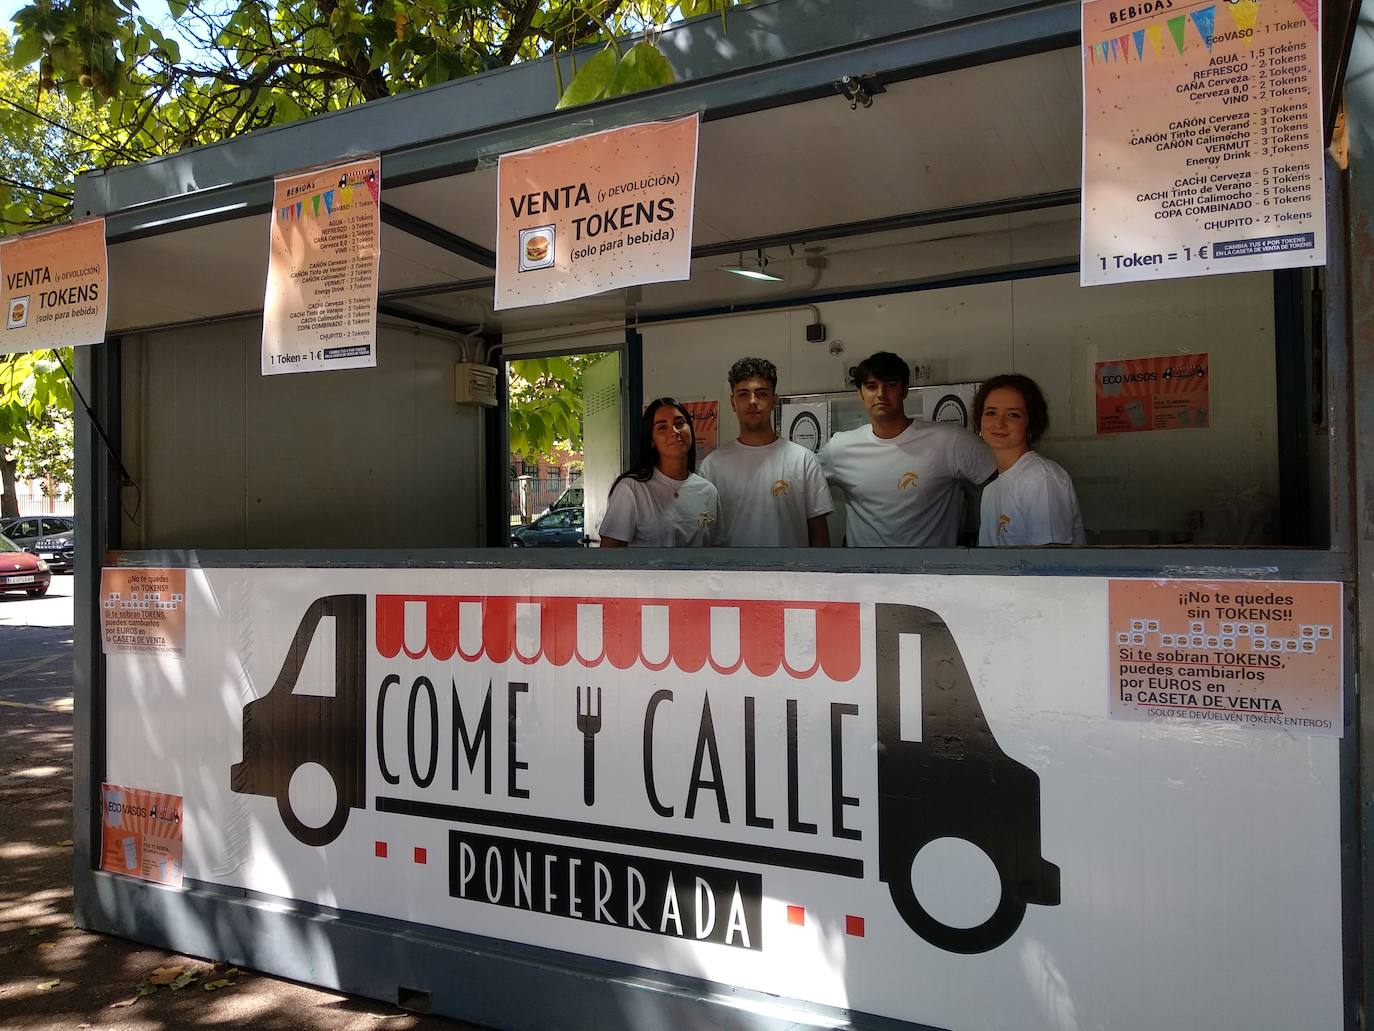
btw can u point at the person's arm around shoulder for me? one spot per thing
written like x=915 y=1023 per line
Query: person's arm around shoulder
x=618 y=523
x=819 y=503
x=972 y=458
x=825 y=458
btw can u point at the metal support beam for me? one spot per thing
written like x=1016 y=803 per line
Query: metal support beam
x=1359 y=245
x=1290 y=376
x=889 y=223
x=438 y=236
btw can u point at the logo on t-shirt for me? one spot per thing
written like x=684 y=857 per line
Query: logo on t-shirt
x=705 y=519
x=1003 y=523
x=781 y=487
x=908 y=479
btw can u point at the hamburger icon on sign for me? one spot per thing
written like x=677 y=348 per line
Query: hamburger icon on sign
x=17 y=315
x=537 y=247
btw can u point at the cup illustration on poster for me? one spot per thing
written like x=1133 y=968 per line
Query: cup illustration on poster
x=927 y=790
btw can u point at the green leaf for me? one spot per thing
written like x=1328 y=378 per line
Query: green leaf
x=177 y=7
x=643 y=67
x=591 y=80
x=535 y=430
x=27 y=49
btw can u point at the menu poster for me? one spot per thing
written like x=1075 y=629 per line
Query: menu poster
x=1168 y=393
x=596 y=213
x=1202 y=138
x=320 y=311
x=1249 y=653
x=53 y=287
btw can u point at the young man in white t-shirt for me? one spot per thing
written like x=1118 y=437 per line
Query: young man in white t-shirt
x=902 y=476
x=772 y=491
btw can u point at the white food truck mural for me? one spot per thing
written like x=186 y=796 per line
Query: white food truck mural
x=902 y=795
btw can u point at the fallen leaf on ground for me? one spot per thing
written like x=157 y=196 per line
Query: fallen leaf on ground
x=47 y=945
x=34 y=932
x=165 y=975
x=146 y=989
x=122 y=1003
x=185 y=979
x=53 y=983
x=214 y=986
x=66 y=844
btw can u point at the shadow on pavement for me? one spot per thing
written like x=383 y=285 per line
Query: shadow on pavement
x=55 y=976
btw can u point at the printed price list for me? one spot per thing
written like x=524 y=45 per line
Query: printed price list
x=1217 y=165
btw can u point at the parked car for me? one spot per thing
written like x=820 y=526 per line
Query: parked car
x=570 y=498
x=559 y=529
x=20 y=571
x=59 y=552
x=27 y=531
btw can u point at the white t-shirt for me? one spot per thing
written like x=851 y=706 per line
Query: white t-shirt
x=1031 y=503
x=767 y=492
x=664 y=513
x=904 y=491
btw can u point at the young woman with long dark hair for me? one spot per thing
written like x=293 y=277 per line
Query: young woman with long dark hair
x=660 y=501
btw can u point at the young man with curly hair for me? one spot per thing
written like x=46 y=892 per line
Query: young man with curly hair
x=772 y=491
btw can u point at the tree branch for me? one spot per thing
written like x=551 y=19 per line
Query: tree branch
x=519 y=29
x=59 y=194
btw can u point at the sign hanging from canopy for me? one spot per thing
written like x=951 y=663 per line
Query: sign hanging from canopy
x=600 y=212
x=1202 y=138
x=54 y=284
x=320 y=310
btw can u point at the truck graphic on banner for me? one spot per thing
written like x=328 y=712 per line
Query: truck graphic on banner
x=655 y=764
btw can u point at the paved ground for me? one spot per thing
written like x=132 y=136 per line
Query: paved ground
x=54 y=976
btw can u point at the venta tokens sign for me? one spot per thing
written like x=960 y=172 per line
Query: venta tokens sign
x=597 y=213
x=53 y=287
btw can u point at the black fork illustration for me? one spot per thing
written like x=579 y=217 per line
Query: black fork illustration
x=589 y=723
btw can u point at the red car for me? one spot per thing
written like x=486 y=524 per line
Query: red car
x=20 y=571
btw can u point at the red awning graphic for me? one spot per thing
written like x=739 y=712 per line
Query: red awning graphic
x=760 y=636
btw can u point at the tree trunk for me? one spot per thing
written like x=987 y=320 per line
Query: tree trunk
x=9 y=497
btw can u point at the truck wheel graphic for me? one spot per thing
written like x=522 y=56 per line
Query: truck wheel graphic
x=954 y=783
x=283 y=730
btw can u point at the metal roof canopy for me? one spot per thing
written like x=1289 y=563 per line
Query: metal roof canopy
x=783 y=157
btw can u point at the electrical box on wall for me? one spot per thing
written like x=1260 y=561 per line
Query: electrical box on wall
x=474 y=384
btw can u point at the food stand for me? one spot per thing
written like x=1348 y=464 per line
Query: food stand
x=346 y=736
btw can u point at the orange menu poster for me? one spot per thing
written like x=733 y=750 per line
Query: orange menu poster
x=143 y=610
x=1202 y=138
x=596 y=213
x=141 y=834
x=320 y=310
x=53 y=287
x=1167 y=393
x=1252 y=653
